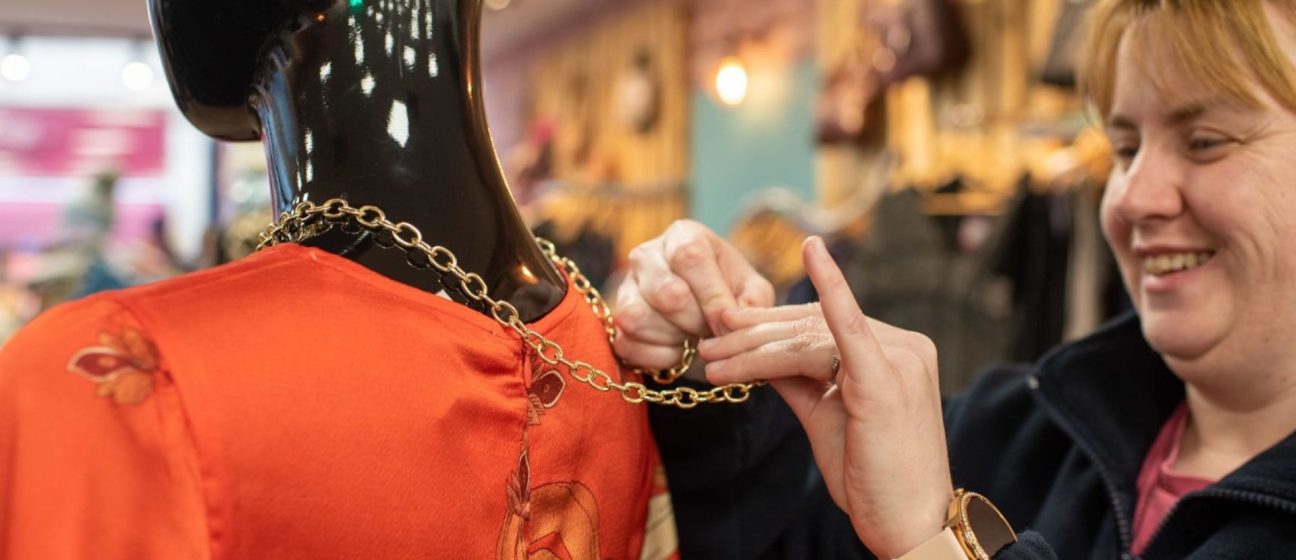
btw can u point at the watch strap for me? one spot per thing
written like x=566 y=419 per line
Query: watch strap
x=944 y=546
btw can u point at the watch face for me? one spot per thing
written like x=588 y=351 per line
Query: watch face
x=991 y=530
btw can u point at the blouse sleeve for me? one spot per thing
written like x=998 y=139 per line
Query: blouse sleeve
x=95 y=459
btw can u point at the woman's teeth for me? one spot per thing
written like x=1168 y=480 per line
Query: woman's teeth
x=1159 y=265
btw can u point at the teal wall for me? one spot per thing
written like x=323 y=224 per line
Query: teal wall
x=766 y=141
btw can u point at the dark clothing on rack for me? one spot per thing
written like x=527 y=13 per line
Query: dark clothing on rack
x=1033 y=252
x=593 y=251
x=1035 y=249
x=1068 y=35
x=1057 y=446
x=909 y=274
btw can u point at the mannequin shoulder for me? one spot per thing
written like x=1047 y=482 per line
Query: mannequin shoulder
x=93 y=345
x=282 y=264
x=126 y=321
x=86 y=404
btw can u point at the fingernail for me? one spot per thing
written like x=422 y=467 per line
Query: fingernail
x=818 y=244
x=704 y=345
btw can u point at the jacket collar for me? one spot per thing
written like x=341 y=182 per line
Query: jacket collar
x=1112 y=392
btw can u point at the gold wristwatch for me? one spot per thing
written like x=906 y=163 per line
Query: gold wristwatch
x=975 y=530
x=992 y=532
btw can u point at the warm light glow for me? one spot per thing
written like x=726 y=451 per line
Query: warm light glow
x=137 y=76
x=498 y=4
x=15 y=67
x=731 y=81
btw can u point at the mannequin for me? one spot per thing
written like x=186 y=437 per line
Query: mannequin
x=377 y=102
x=319 y=399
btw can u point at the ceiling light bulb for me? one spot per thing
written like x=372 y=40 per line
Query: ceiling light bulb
x=731 y=81
x=137 y=76
x=15 y=67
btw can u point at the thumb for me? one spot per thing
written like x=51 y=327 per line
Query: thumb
x=694 y=260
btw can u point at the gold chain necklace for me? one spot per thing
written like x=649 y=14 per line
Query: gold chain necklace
x=308 y=219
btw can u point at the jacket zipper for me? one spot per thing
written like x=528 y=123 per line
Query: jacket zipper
x=1240 y=496
x=1123 y=526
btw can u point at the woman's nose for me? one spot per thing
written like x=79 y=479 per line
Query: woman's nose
x=1150 y=188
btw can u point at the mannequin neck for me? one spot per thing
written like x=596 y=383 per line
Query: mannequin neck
x=381 y=105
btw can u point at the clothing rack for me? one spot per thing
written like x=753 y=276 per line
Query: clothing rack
x=627 y=214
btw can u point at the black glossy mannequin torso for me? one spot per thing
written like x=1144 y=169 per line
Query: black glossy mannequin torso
x=377 y=102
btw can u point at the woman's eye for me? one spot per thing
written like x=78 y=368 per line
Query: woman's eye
x=1207 y=145
x=1125 y=153
x=1201 y=144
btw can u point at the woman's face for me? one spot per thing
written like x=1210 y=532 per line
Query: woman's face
x=1200 y=210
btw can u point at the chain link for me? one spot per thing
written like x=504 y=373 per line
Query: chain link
x=308 y=219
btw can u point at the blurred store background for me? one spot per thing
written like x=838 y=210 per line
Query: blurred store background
x=939 y=144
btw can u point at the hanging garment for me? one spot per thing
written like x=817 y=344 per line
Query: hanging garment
x=593 y=251
x=908 y=274
x=1089 y=270
x=918 y=38
x=295 y=404
x=1068 y=35
x=1032 y=251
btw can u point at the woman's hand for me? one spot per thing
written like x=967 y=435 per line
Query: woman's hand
x=676 y=288
x=876 y=429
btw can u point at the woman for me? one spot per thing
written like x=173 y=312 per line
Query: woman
x=1168 y=434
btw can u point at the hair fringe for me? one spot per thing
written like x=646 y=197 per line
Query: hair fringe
x=1228 y=45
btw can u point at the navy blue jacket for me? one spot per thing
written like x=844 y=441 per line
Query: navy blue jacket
x=1057 y=446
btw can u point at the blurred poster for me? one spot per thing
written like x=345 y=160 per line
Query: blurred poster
x=49 y=157
x=42 y=142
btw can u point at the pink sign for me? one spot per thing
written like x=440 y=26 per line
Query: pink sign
x=37 y=142
x=32 y=226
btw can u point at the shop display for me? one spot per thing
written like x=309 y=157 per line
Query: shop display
x=357 y=393
x=909 y=38
x=609 y=112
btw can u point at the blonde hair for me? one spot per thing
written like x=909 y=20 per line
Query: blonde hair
x=1225 y=45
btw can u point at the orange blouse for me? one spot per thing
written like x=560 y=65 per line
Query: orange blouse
x=297 y=405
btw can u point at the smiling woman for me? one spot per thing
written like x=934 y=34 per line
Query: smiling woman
x=1198 y=205
x=1167 y=434
x=1198 y=212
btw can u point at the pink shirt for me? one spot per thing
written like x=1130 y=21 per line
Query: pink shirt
x=1159 y=486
